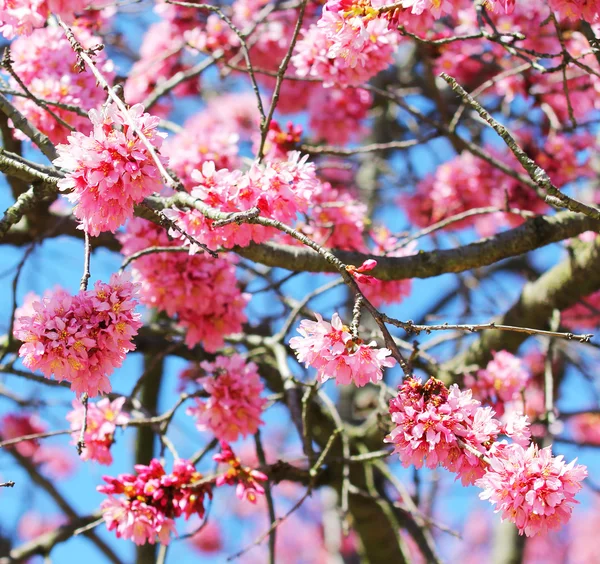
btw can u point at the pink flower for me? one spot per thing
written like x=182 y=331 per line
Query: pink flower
x=201 y=292
x=234 y=405
x=102 y=421
x=47 y=64
x=437 y=426
x=502 y=381
x=151 y=500
x=335 y=353
x=15 y=425
x=248 y=480
x=81 y=338
x=577 y=9
x=345 y=50
x=358 y=273
x=532 y=488
x=586 y=427
x=110 y=170
x=279 y=189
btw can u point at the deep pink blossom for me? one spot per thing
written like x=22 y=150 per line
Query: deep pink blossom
x=247 y=480
x=110 y=170
x=234 y=405
x=201 y=292
x=149 y=500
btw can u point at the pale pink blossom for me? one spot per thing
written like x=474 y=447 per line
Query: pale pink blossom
x=47 y=64
x=532 y=488
x=501 y=381
x=102 y=421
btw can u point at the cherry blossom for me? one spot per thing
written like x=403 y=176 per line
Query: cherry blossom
x=81 y=338
x=247 y=480
x=151 y=499
x=200 y=291
x=501 y=381
x=47 y=65
x=234 y=404
x=532 y=488
x=110 y=170
x=103 y=418
x=335 y=353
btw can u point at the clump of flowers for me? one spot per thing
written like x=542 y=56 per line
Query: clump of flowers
x=437 y=426
x=110 y=170
x=336 y=353
x=102 y=421
x=351 y=42
x=199 y=291
x=279 y=189
x=247 y=480
x=142 y=506
x=47 y=65
x=500 y=382
x=82 y=338
x=234 y=404
x=532 y=488
x=21 y=17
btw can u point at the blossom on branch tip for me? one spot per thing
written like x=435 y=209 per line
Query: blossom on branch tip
x=336 y=353
x=111 y=170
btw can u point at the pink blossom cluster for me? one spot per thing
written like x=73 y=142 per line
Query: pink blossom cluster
x=53 y=459
x=149 y=500
x=437 y=426
x=21 y=17
x=351 y=42
x=234 y=405
x=586 y=427
x=247 y=480
x=82 y=338
x=200 y=292
x=103 y=418
x=467 y=182
x=500 y=382
x=47 y=65
x=279 y=189
x=336 y=353
x=337 y=219
x=160 y=58
x=336 y=114
x=532 y=488
x=203 y=139
x=587 y=10
x=209 y=539
x=34 y=524
x=110 y=170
